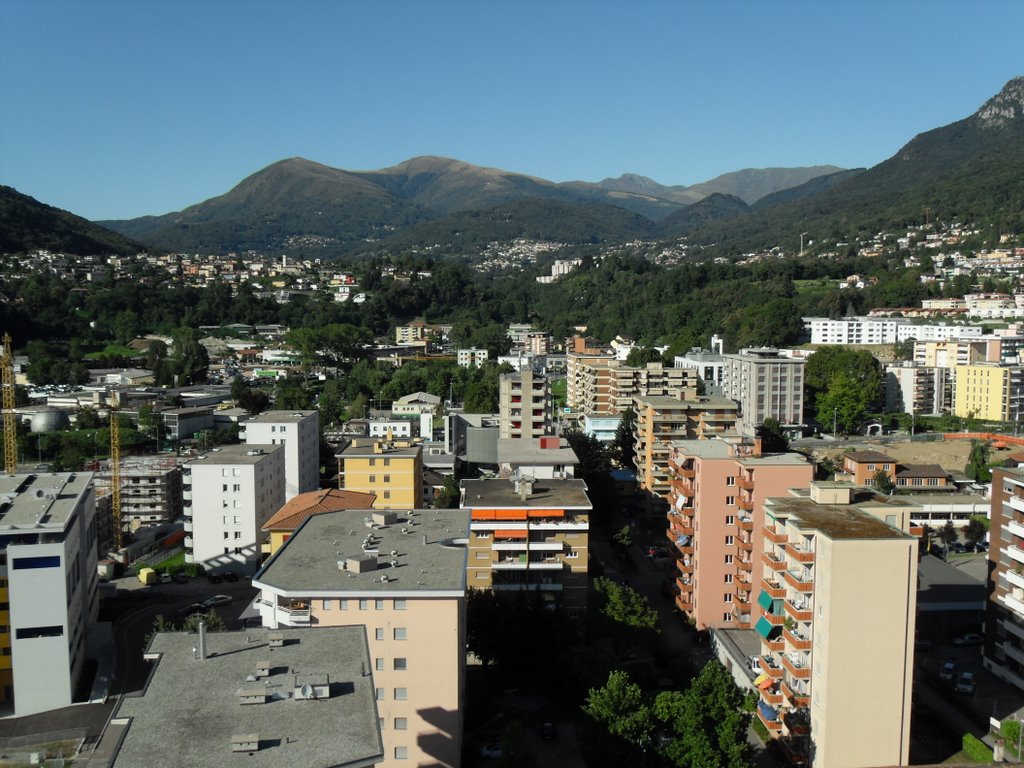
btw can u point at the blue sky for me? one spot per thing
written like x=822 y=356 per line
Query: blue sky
x=120 y=108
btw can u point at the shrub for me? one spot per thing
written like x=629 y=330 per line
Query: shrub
x=976 y=750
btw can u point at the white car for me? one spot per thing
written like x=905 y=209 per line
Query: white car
x=216 y=600
x=966 y=683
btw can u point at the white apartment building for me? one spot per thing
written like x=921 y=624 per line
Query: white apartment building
x=396 y=428
x=48 y=593
x=299 y=433
x=921 y=389
x=881 y=330
x=229 y=493
x=468 y=358
x=766 y=385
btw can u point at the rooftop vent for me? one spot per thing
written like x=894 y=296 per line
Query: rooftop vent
x=245 y=742
x=275 y=640
x=385 y=518
x=361 y=564
x=263 y=668
x=312 y=686
x=252 y=695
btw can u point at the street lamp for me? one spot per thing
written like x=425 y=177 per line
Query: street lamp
x=835 y=418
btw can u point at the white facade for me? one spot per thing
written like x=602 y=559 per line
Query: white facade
x=49 y=525
x=299 y=433
x=471 y=357
x=229 y=494
x=882 y=330
x=395 y=427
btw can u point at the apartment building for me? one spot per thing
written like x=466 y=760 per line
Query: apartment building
x=262 y=693
x=766 y=386
x=392 y=470
x=470 y=358
x=988 y=391
x=524 y=405
x=603 y=385
x=1004 y=610
x=661 y=421
x=401 y=574
x=283 y=523
x=546 y=458
x=947 y=354
x=299 y=433
x=150 y=489
x=715 y=520
x=709 y=365
x=587 y=380
x=919 y=389
x=229 y=494
x=881 y=330
x=835 y=691
x=529 y=535
x=48 y=591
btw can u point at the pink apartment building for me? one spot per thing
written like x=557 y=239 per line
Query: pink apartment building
x=717 y=492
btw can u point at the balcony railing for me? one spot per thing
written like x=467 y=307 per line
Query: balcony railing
x=188 y=525
x=800 y=555
x=796 y=668
x=797 y=582
x=296 y=613
x=798 y=612
x=774 y=563
x=747 y=484
x=745 y=545
x=776 y=645
x=796 y=698
x=685 y=565
x=771 y=667
x=796 y=641
x=684 y=602
x=774 y=536
x=745 y=523
x=773 y=588
x=745 y=503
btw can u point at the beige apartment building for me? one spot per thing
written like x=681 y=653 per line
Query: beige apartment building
x=401 y=574
x=836 y=605
x=1004 y=640
x=529 y=535
x=602 y=385
x=524 y=405
x=660 y=421
x=988 y=391
x=716 y=516
x=587 y=380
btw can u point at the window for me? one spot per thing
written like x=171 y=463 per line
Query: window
x=730 y=501
x=572 y=554
x=727 y=618
x=30 y=633
x=236 y=487
x=364 y=605
x=387 y=478
x=238 y=534
x=224 y=488
x=387 y=494
x=378 y=605
x=380 y=694
x=730 y=519
x=373 y=478
x=728 y=559
x=387 y=463
x=399 y=604
x=728 y=578
x=399 y=633
x=401 y=663
x=379 y=664
x=344 y=605
x=730 y=481
x=727 y=597
x=730 y=540
x=401 y=723
x=226 y=534
x=401 y=694
x=401 y=753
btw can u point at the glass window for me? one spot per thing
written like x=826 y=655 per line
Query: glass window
x=378 y=605
x=344 y=605
x=379 y=633
x=401 y=753
x=379 y=665
x=328 y=605
x=399 y=633
x=399 y=604
x=401 y=694
x=380 y=694
x=401 y=724
x=364 y=605
x=401 y=663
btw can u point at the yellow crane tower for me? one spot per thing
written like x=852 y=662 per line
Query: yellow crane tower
x=115 y=475
x=10 y=425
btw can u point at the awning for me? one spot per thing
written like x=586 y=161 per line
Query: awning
x=511 y=534
x=682 y=541
x=763 y=681
x=769 y=712
x=765 y=600
x=764 y=627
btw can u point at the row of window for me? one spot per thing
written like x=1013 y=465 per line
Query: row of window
x=399 y=664
x=397 y=604
x=398 y=694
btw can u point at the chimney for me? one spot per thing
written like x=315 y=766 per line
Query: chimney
x=202 y=640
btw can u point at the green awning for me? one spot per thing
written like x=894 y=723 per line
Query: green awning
x=764 y=627
x=765 y=600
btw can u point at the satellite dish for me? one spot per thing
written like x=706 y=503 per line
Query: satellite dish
x=307 y=691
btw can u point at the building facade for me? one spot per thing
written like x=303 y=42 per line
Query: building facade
x=827 y=682
x=766 y=386
x=990 y=392
x=715 y=516
x=1004 y=620
x=392 y=470
x=299 y=433
x=229 y=494
x=529 y=536
x=524 y=405
x=48 y=593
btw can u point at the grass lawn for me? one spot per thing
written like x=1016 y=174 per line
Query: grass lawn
x=172 y=563
x=558 y=387
x=112 y=350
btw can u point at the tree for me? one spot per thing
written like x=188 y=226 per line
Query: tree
x=638 y=356
x=624 y=605
x=772 y=436
x=977 y=462
x=449 y=495
x=484 y=622
x=625 y=441
x=708 y=721
x=855 y=372
x=948 y=533
x=192 y=362
x=254 y=400
x=883 y=483
x=845 y=403
x=619 y=707
x=975 y=529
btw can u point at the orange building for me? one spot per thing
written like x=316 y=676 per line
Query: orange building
x=288 y=518
x=862 y=466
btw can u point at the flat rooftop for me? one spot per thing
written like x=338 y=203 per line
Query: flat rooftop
x=429 y=547
x=237 y=454
x=190 y=710
x=519 y=451
x=280 y=417
x=29 y=501
x=723 y=449
x=547 y=494
x=704 y=402
x=370 y=450
x=838 y=521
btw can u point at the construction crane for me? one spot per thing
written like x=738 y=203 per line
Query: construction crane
x=10 y=424
x=115 y=475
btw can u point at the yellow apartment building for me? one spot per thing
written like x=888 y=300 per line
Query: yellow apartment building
x=392 y=470
x=990 y=391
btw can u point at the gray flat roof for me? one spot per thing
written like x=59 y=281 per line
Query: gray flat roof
x=190 y=710
x=354 y=451
x=30 y=501
x=429 y=545
x=838 y=521
x=547 y=494
x=720 y=449
x=237 y=454
x=701 y=403
x=278 y=417
x=517 y=450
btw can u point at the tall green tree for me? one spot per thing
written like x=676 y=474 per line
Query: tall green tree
x=845 y=403
x=772 y=436
x=625 y=441
x=842 y=383
x=624 y=605
x=977 y=462
x=619 y=707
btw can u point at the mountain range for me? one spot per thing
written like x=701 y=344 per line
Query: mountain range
x=969 y=169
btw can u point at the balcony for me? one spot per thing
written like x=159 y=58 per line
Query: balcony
x=1014 y=578
x=547 y=564
x=1016 y=502
x=685 y=565
x=796 y=641
x=745 y=545
x=800 y=555
x=773 y=536
x=745 y=523
x=796 y=698
x=745 y=503
x=771 y=667
x=293 y=614
x=188 y=542
x=506 y=546
x=795 y=581
x=776 y=620
x=798 y=612
x=773 y=562
x=745 y=483
x=684 y=602
x=773 y=588
x=1015 y=552
x=776 y=645
x=547 y=546
x=188 y=525
x=510 y=564
x=186 y=495
x=1016 y=528
x=797 y=668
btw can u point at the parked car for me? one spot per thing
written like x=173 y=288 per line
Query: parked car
x=549 y=731
x=492 y=751
x=216 y=600
x=188 y=610
x=957 y=547
x=971 y=638
x=981 y=546
x=966 y=683
x=230 y=576
x=181 y=577
x=214 y=578
x=948 y=671
x=166 y=578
